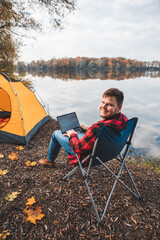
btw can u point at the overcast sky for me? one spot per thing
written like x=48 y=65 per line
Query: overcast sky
x=102 y=28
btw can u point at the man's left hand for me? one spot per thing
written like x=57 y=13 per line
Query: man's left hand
x=69 y=132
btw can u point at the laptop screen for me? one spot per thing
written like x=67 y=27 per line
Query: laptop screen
x=68 y=121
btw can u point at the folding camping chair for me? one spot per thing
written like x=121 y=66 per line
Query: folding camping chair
x=108 y=145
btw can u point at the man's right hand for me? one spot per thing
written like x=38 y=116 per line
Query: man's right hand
x=69 y=132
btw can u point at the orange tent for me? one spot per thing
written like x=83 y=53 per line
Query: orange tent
x=21 y=114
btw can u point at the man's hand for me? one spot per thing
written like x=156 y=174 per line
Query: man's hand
x=84 y=127
x=69 y=132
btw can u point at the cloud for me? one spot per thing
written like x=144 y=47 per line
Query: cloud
x=101 y=28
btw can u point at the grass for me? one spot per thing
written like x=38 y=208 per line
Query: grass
x=147 y=161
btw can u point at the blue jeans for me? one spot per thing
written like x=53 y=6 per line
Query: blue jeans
x=58 y=141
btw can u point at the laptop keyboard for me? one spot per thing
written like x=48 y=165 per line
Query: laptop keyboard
x=79 y=129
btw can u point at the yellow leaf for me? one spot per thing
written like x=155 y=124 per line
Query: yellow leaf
x=1 y=155
x=13 y=156
x=34 y=215
x=19 y=147
x=31 y=201
x=3 y=172
x=30 y=164
x=12 y=196
x=4 y=234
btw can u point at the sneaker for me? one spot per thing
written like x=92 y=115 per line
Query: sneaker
x=46 y=163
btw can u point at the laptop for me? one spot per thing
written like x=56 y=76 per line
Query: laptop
x=69 y=121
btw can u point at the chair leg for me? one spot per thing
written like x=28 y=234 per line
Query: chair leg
x=117 y=179
x=92 y=200
x=110 y=195
x=139 y=196
x=76 y=168
x=70 y=173
x=116 y=176
x=83 y=172
x=85 y=177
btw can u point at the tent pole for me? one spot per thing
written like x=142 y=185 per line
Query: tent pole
x=43 y=104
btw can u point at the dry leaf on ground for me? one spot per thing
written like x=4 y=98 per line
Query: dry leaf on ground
x=13 y=156
x=34 y=215
x=4 y=234
x=30 y=164
x=1 y=155
x=134 y=220
x=30 y=201
x=3 y=172
x=12 y=196
x=19 y=147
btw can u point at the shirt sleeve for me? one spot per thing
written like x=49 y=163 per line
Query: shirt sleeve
x=85 y=144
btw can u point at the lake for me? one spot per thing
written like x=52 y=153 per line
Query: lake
x=142 y=100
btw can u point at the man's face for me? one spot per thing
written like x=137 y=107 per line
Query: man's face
x=109 y=107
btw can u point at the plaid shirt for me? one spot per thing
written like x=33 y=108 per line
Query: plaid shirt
x=83 y=146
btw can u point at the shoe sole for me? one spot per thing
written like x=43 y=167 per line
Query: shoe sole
x=48 y=166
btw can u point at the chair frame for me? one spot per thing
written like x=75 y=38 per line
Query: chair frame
x=121 y=158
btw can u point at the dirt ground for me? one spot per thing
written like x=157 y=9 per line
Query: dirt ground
x=68 y=213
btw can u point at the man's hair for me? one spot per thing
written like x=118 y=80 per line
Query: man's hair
x=114 y=92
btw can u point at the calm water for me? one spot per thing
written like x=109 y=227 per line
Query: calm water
x=142 y=100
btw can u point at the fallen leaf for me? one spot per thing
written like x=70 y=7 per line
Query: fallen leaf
x=59 y=235
x=56 y=222
x=1 y=155
x=19 y=147
x=13 y=156
x=31 y=201
x=115 y=220
x=34 y=215
x=108 y=236
x=129 y=225
x=12 y=196
x=133 y=220
x=63 y=229
x=3 y=172
x=30 y=164
x=4 y=234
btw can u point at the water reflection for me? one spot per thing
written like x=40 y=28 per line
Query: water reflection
x=142 y=100
x=85 y=74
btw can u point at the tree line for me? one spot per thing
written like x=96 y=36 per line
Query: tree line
x=86 y=66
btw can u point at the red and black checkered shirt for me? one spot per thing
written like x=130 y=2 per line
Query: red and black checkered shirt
x=83 y=146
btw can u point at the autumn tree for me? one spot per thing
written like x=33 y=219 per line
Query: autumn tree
x=7 y=52
x=21 y=13
x=26 y=14
x=8 y=46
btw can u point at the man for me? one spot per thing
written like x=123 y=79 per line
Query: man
x=109 y=110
